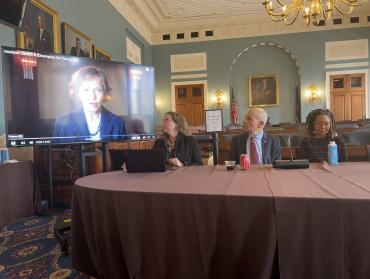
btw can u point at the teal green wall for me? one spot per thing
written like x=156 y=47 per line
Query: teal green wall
x=101 y=21
x=95 y=18
x=308 y=48
x=252 y=63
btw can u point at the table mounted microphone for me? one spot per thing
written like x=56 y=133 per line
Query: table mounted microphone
x=291 y=164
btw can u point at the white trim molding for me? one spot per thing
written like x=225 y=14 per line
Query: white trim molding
x=189 y=62
x=345 y=72
x=173 y=91
x=133 y=51
x=204 y=75
x=346 y=50
x=347 y=65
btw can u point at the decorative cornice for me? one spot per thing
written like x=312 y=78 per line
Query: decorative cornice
x=227 y=19
x=251 y=30
x=134 y=16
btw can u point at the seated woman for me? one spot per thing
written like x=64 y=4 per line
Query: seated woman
x=320 y=130
x=181 y=149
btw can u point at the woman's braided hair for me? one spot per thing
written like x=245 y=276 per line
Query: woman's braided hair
x=311 y=120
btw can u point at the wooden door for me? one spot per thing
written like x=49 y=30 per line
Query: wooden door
x=347 y=96
x=189 y=102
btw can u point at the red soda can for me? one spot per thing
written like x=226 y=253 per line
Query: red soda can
x=244 y=162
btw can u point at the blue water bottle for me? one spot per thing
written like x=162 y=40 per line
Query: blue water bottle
x=4 y=155
x=333 y=153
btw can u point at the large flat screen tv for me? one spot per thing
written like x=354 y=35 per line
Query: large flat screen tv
x=59 y=99
x=12 y=12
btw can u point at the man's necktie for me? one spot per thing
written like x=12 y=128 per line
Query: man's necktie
x=253 y=151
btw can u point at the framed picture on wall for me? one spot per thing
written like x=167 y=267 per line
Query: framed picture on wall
x=101 y=54
x=40 y=28
x=75 y=43
x=263 y=91
x=133 y=51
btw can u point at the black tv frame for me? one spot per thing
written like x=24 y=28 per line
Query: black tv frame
x=48 y=140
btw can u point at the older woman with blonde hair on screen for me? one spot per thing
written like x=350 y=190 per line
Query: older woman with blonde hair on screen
x=181 y=148
x=89 y=87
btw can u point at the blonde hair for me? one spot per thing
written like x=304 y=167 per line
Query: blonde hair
x=85 y=73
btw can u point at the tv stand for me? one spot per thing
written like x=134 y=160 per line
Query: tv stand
x=83 y=154
x=58 y=166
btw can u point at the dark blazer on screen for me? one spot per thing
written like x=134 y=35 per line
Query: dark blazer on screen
x=270 y=148
x=75 y=125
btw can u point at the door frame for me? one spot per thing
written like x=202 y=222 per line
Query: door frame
x=173 y=91
x=345 y=72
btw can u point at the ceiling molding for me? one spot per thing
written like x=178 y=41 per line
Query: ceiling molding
x=226 y=18
x=134 y=17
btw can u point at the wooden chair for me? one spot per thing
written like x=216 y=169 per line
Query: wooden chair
x=209 y=142
x=357 y=153
x=359 y=137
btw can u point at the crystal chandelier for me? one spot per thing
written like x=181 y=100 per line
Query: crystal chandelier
x=312 y=10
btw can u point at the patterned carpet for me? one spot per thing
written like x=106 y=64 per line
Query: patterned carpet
x=28 y=250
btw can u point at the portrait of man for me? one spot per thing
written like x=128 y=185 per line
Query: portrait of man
x=263 y=91
x=39 y=32
x=42 y=38
x=75 y=42
x=77 y=50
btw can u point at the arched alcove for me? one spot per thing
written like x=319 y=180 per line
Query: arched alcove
x=268 y=59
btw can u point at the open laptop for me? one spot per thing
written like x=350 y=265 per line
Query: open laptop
x=141 y=160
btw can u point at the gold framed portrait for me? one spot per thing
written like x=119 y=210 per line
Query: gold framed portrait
x=101 y=54
x=40 y=28
x=75 y=42
x=263 y=91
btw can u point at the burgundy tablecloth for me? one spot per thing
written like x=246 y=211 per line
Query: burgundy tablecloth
x=323 y=220
x=205 y=222
x=193 y=222
x=19 y=191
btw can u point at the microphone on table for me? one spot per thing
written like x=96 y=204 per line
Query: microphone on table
x=291 y=164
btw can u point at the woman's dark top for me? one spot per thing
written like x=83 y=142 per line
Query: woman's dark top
x=316 y=149
x=186 y=149
x=73 y=127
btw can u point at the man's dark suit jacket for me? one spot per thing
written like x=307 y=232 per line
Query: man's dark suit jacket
x=45 y=43
x=270 y=148
x=75 y=125
x=186 y=149
x=82 y=53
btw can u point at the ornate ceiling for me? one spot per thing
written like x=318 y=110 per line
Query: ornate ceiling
x=226 y=18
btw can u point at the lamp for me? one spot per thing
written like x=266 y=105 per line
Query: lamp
x=219 y=99
x=313 y=92
x=312 y=10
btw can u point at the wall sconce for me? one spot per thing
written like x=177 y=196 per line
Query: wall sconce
x=219 y=99
x=158 y=104
x=313 y=93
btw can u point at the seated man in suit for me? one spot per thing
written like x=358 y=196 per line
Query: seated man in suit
x=261 y=148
